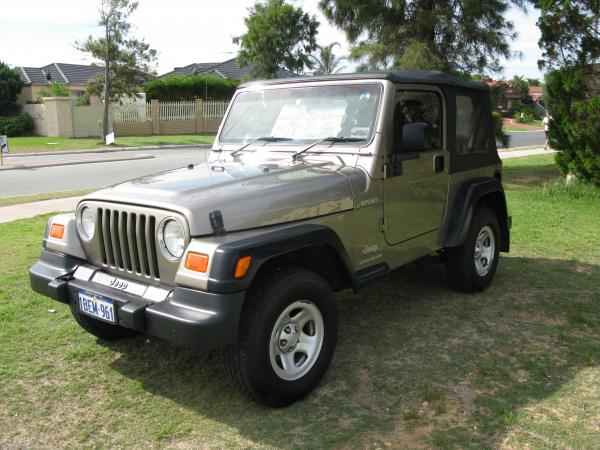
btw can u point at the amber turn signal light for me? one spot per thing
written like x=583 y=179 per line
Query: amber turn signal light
x=57 y=231
x=198 y=262
x=242 y=266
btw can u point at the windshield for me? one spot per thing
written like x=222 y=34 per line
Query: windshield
x=303 y=114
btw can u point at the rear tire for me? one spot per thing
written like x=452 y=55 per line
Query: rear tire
x=471 y=266
x=288 y=333
x=100 y=329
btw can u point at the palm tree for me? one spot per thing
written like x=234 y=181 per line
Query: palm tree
x=327 y=63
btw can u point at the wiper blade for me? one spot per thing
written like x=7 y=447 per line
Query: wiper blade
x=262 y=139
x=332 y=139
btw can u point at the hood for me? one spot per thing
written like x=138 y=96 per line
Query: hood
x=248 y=196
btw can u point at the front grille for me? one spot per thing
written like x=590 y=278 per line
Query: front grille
x=127 y=241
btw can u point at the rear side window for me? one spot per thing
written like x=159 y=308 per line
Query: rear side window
x=474 y=129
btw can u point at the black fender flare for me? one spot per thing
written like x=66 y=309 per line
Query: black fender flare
x=268 y=245
x=461 y=213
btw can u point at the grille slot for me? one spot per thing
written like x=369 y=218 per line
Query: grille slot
x=127 y=242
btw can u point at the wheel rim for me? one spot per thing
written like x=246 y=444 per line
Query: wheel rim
x=296 y=340
x=485 y=248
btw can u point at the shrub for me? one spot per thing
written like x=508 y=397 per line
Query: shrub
x=16 y=125
x=501 y=136
x=575 y=124
x=83 y=100
x=56 y=89
x=576 y=189
x=527 y=116
x=176 y=88
x=529 y=113
x=10 y=86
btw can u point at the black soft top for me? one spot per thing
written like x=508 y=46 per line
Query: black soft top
x=404 y=76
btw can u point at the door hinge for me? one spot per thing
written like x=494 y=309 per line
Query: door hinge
x=382 y=224
x=384 y=171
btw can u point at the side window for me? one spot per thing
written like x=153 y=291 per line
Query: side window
x=418 y=107
x=474 y=131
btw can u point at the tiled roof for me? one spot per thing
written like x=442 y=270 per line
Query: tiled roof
x=78 y=73
x=60 y=72
x=226 y=69
x=33 y=75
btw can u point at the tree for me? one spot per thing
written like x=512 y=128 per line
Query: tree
x=533 y=82
x=456 y=36
x=10 y=86
x=519 y=85
x=278 y=35
x=570 y=32
x=327 y=63
x=570 y=40
x=575 y=124
x=127 y=61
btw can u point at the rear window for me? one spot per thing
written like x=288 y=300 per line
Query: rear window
x=474 y=128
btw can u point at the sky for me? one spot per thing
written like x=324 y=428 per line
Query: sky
x=37 y=32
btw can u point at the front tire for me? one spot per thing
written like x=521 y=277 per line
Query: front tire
x=471 y=266
x=288 y=333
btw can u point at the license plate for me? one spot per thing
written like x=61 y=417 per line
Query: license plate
x=97 y=306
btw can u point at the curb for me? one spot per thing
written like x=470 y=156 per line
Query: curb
x=109 y=150
x=73 y=163
x=516 y=149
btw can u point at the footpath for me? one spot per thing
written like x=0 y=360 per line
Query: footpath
x=27 y=210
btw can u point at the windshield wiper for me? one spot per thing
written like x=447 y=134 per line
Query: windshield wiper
x=332 y=139
x=262 y=139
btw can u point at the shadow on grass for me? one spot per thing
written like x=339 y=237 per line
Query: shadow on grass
x=416 y=364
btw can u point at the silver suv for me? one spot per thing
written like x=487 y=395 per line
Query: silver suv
x=313 y=185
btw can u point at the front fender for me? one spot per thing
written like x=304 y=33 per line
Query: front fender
x=267 y=246
x=70 y=243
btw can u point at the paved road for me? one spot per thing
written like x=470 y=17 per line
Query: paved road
x=8 y=213
x=84 y=176
x=66 y=178
x=526 y=139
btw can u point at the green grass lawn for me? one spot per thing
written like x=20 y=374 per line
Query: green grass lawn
x=417 y=365
x=8 y=201
x=535 y=125
x=47 y=144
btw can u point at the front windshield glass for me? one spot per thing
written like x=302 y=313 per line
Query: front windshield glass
x=303 y=114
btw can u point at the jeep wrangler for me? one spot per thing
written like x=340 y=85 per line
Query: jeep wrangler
x=313 y=185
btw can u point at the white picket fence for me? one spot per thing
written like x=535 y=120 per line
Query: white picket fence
x=132 y=112
x=214 y=109
x=177 y=110
x=184 y=110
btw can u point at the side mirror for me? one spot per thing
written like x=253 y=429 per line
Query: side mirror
x=413 y=136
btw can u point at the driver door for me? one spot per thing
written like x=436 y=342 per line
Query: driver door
x=416 y=185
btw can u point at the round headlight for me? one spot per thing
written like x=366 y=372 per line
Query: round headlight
x=173 y=239
x=88 y=222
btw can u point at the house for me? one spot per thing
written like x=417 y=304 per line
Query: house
x=74 y=76
x=536 y=92
x=228 y=70
x=506 y=96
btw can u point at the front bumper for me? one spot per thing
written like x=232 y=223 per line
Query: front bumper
x=186 y=317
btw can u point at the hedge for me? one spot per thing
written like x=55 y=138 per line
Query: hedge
x=16 y=125
x=575 y=124
x=176 y=88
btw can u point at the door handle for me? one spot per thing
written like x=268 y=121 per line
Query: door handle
x=438 y=163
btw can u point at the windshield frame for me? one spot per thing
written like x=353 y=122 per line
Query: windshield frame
x=277 y=147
